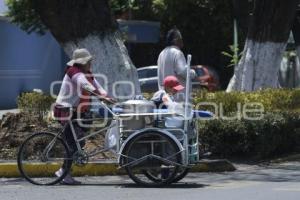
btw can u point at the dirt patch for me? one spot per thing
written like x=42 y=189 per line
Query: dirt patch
x=14 y=128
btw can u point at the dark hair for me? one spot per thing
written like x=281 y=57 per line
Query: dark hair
x=172 y=35
x=78 y=65
x=75 y=65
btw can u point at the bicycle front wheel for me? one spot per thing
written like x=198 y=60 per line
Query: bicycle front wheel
x=41 y=155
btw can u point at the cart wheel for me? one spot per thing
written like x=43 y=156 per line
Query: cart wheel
x=152 y=152
x=181 y=173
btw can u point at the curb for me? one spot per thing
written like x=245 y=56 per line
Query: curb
x=10 y=170
x=289 y=158
x=222 y=165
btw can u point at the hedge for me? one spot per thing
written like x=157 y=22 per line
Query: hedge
x=271 y=99
x=275 y=134
x=35 y=103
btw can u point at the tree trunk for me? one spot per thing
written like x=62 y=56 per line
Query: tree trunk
x=296 y=33
x=89 y=24
x=265 y=44
x=293 y=79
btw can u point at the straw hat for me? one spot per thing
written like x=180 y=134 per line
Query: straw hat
x=80 y=56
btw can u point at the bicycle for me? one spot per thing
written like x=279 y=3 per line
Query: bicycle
x=156 y=147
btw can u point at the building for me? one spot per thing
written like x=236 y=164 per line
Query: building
x=27 y=61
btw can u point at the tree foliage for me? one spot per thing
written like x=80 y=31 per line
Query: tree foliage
x=24 y=14
x=206 y=25
x=75 y=19
x=142 y=9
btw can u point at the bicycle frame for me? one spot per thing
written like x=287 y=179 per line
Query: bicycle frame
x=116 y=117
x=78 y=140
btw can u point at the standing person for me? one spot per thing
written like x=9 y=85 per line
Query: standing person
x=171 y=62
x=75 y=94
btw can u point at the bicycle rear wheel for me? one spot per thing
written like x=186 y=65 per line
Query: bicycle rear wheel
x=41 y=155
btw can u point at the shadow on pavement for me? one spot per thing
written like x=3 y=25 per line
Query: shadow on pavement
x=175 y=186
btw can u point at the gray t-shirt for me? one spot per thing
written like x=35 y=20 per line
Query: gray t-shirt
x=171 y=62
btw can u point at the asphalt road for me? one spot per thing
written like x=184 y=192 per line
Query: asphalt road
x=280 y=181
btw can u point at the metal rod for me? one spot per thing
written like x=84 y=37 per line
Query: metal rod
x=186 y=109
x=94 y=133
x=187 y=87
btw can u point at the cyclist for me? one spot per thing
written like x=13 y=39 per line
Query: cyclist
x=75 y=94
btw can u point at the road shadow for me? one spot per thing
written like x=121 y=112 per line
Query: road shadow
x=11 y=180
x=119 y=183
x=133 y=185
x=175 y=186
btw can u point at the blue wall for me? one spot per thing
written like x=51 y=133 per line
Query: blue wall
x=27 y=62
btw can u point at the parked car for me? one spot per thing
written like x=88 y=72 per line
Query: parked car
x=206 y=78
x=148 y=78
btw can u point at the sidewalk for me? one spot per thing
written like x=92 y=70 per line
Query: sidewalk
x=10 y=169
